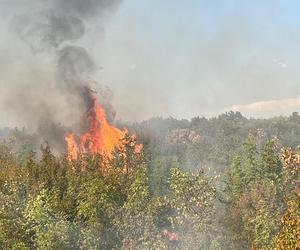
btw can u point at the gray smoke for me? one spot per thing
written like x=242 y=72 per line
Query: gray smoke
x=86 y=8
x=49 y=93
x=48 y=29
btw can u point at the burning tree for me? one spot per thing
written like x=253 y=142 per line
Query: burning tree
x=102 y=137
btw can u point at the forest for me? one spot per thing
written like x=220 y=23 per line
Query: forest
x=227 y=182
x=148 y=125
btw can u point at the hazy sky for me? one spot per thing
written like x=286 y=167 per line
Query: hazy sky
x=193 y=57
x=187 y=58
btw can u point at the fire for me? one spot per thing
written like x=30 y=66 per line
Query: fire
x=101 y=137
x=72 y=147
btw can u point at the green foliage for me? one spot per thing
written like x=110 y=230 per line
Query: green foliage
x=193 y=198
x=136 y=222
x=159 y=174
x=49 y=229
x=12 y=204
x=289 y=235
x=236 y=177
x=251 y=168
x=148 y=199
x=98 y=200
x=258 y=184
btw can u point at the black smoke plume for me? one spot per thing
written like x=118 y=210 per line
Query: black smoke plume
x=53 y=100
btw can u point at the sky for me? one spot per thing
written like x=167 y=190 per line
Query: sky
x=196 y=57
x=190 y=58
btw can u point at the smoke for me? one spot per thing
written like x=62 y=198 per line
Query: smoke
x=48 y=70
x=87 y=8
x=47 y=29
x=180 y=59
x=193 y=58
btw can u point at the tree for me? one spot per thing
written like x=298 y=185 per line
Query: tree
x=48 y=228
x=193 y=199
x=251 y=166
x=98 y=201
x=289 y=234
x=12 y=221
x=288 y=237
x=128 y=156
x=137 y=223
x=271 y=166
x=255 y=189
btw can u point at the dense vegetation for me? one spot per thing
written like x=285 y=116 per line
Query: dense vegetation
x=221 y=183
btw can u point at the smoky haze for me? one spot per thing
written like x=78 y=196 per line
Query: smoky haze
x=182 y=59
x=45 y=70
x=193 y=58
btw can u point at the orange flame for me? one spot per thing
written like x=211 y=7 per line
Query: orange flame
x=72 y=147
x=102 y=137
